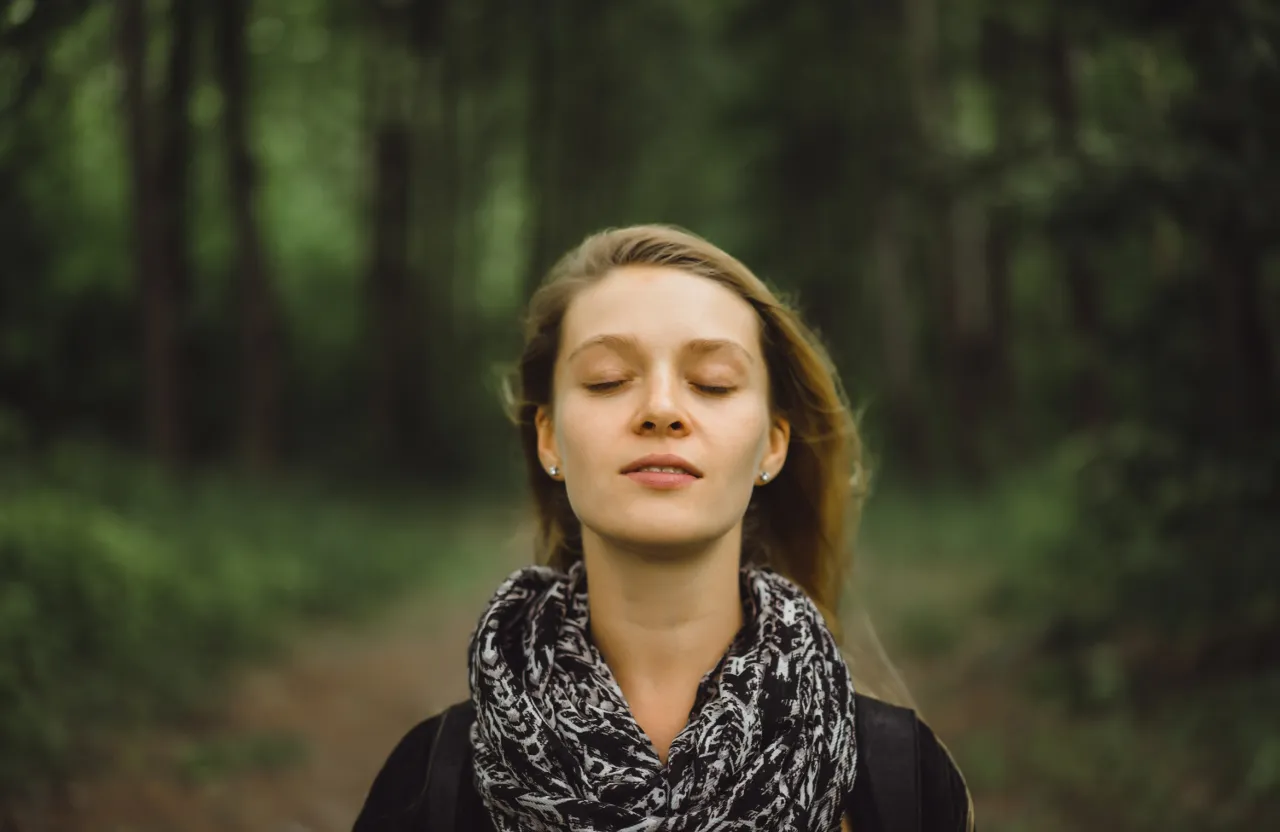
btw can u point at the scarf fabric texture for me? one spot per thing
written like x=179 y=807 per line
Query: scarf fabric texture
x=769 y=742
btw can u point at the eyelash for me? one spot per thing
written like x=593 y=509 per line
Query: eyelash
x=708 y=389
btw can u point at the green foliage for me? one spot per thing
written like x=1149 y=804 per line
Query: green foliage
x=124 y=594
x=1072 y=738
x=1167 y=570
x=1151 y=614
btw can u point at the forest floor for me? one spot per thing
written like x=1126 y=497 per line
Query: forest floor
x=297 y=740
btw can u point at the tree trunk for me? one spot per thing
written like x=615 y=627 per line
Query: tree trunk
x=997 y=55
x=173 y=180
x=999 y=245
x=969 y=324
x=889 y=269
x=159 y=296
x=585 y=146
x=897 y=334
x=259 y=307
x=954 y=272
x=540 y=142
x=1246 y=373
x=1082 y=289
x=394 y=314
x=440 y=180
x=921 y=23
x=390 y=302
x=976 y=296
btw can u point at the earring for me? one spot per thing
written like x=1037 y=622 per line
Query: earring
x=554 y=470
x=764 y=476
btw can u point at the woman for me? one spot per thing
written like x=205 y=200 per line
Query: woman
x=674 y=665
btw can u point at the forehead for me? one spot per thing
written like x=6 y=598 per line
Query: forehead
x=661 y=307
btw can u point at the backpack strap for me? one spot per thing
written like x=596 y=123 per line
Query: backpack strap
x=449 y=754
x=888 y=742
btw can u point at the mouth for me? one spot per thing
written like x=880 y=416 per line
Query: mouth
x=662 y=471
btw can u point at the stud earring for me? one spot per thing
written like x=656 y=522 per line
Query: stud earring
x=764 y=476
x=554 y=470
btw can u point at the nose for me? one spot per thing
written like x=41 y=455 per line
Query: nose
x=661 y=412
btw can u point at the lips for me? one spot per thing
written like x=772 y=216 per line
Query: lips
x=663 y=461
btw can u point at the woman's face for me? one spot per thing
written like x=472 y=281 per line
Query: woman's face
x=655 y=360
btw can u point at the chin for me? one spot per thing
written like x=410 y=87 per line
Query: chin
x=661 y=535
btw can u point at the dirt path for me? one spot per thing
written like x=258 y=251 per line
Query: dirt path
x=300 y=740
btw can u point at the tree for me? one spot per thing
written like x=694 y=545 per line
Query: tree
x=540 y=139
x=154 y=256
x=173 y=189
x=1072 y=241
x=393 y=306
x=260 y=324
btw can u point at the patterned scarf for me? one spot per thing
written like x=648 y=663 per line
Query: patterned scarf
x=769 y=742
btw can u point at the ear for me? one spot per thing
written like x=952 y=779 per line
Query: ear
x=548 y=453
x=776 y=451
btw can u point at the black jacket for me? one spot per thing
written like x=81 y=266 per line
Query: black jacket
x=934 y=794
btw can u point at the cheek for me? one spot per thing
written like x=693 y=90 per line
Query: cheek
x=743 y=435
x=583 y=429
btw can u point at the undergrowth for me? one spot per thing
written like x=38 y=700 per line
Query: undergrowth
x=973 y=586
x=125 y=594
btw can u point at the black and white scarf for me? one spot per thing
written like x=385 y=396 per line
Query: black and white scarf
x=769 y=743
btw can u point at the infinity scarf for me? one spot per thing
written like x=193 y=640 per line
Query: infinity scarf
x=769 y=742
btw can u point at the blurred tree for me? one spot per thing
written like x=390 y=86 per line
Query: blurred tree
x=261 y=336
x=158 y=284
x=1073 y=242
x=440 y=100
x=587 y=132
x=1007 y=222
x=173 y=198
x=540 y=138
x=998 y=53
x=894 y=124
x=395 y=316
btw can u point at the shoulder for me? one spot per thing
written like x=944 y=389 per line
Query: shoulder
x=905 y=772
x=397 y=798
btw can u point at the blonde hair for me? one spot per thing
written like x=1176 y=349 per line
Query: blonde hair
x=802 y=525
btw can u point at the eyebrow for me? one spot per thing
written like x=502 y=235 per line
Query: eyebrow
x=629 y=344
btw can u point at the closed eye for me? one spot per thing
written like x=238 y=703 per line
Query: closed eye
x=708 y=389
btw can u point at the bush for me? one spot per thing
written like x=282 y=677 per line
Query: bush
x=87 y=600
x=1167 y=571
x=1156 y=605
x=123 y=594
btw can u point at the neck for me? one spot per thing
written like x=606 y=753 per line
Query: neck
x=661 y=623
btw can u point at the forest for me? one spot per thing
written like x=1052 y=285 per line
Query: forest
x=264 y=269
